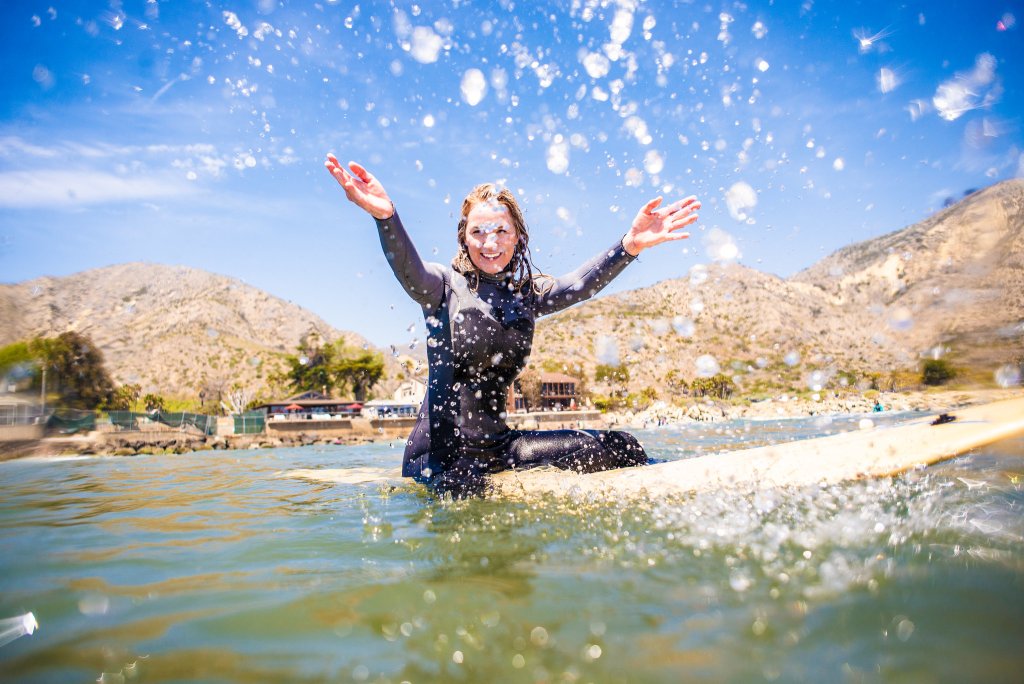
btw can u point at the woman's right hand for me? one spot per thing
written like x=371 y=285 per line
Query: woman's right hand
x=361 y=188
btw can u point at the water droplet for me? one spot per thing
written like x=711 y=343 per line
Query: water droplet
x=739 y=582
x=473 y=87
x=606 y=349
x=684 y=327
x=901 y=318
x=558 y=156
x=1008 y=376
x=707 y=366
x=904 y=629
x=425 y=45
x=739 y=198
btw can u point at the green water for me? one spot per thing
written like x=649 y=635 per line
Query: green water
x=210 y=567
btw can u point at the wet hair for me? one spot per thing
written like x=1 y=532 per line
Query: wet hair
x=522 y=269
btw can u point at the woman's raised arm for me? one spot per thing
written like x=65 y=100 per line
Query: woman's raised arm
x=423 y=281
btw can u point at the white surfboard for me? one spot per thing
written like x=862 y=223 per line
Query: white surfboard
x=872 y=452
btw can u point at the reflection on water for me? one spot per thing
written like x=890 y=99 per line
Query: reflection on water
x=209 y=567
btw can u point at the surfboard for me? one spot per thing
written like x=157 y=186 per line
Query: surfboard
x=873 y=451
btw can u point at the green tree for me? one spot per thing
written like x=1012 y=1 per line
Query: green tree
x=937 y=372
x=310 y=368
x=75 y=370
x=529 y=386
x=359 y=371
x=333 y=366
x=716 y=386
x=17 y=365
x=14 y=355
x=154 y=402
x=125 y=397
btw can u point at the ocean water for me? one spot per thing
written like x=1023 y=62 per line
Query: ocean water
x=212 y=567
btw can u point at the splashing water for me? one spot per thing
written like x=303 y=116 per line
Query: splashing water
x=15 y=627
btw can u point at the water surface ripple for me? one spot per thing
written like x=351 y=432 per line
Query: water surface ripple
x=210 y=567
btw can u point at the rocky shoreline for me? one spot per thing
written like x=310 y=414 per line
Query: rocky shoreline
x=177 y=442
x=799 y=407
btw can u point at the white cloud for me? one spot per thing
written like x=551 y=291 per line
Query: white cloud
x=66 y=189
x=11 y=146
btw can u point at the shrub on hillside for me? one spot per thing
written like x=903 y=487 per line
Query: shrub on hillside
x=937 y=372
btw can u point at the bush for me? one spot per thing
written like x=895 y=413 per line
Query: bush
x=607 y=373
x=937 y=372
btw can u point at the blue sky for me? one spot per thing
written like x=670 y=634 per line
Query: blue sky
x=188 y=133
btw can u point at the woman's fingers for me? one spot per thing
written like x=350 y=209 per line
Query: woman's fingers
x=652 y=205
x=360 y=172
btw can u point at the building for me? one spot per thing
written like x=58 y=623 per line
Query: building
x=404 y=403
x=558 y=392
x=309 y=406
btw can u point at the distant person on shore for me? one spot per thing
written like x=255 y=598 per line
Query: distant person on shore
x=480 y=314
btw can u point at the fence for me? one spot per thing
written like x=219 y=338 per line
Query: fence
x=64 y=421
x=133 y=420
x=70 y=421
x=250 y=423
x=20 y=414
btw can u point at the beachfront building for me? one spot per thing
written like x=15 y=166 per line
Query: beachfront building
x=558 y=392
x=405 y=402
x=309 y=406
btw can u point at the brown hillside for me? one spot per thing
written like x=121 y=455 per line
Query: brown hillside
x=172 y=329
x=952 y=284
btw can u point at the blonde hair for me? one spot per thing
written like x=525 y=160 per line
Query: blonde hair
x=523 y=270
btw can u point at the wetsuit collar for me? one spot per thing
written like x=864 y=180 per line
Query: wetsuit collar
x=497 y=278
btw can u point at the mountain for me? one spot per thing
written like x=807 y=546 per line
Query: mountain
x=950 y=285
x=174 y=330
x=953 y=280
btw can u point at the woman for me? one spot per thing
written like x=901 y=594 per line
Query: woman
x=480 y=316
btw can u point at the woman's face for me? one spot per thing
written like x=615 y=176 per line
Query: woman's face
x=490 y=237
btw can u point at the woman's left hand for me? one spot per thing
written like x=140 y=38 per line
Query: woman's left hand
x=655 y=224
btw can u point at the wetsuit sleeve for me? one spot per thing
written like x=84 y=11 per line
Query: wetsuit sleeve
x=585 y=281
x=424 y=281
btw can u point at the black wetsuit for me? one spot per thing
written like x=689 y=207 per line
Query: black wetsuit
x=478 y=340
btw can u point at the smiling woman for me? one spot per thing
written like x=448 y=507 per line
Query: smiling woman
x=480 y=317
